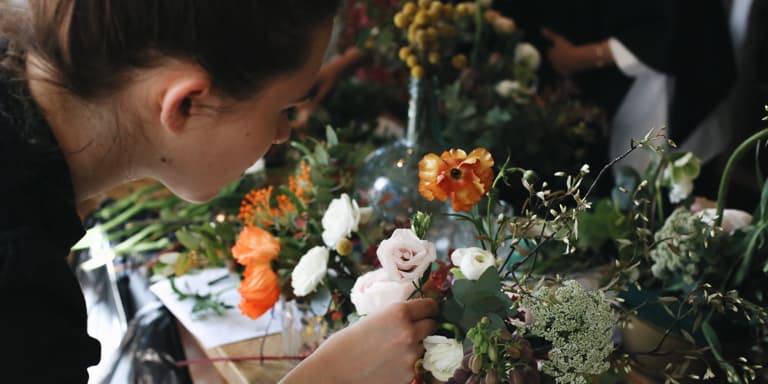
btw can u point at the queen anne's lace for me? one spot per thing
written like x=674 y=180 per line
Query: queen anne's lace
x=681 y=245
x=579 y=325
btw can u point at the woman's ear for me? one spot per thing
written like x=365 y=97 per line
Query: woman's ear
x=179 y=97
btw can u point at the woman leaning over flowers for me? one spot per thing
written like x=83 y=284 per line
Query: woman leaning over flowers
x=94 y=93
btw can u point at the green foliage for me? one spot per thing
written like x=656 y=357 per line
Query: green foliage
x=474 y=299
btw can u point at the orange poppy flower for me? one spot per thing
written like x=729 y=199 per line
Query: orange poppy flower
x=259 y=290
x=463 y=178
x=255 y=246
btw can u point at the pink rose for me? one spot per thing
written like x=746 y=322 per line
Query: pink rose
x=374 y=292
x=404 y=256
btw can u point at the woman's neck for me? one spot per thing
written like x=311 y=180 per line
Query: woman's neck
x=98 y=151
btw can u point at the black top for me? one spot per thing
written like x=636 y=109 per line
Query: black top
x=43 y=333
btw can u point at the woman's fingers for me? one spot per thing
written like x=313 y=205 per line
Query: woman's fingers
x=419 y=309
x=424 y=328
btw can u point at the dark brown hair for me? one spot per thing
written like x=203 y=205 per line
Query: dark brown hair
x=92 y=46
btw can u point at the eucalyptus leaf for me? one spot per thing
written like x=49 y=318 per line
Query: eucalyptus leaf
x=321 y=155
x=330 y=136
x=321 y=301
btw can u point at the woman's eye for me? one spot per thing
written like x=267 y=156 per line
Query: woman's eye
x=289 y=112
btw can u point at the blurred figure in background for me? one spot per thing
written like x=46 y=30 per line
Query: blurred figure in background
x=649 y=64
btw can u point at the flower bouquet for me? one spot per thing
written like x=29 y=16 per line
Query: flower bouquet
x=511 y=311
x=301 y=241
x=500 y=322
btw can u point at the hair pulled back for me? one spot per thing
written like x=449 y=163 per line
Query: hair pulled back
x=92 y=46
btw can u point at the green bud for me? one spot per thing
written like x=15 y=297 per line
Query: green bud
x=420 y=223
x=476 y=364
x=493 y=354
x=485 y=321
x=529 y=178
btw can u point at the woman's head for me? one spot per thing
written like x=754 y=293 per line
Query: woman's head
x=207 y=81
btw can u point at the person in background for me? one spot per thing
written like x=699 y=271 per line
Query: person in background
x=95 y=93
x=649 y=63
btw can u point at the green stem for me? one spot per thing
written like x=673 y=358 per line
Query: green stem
x=659 y=199
x=722 y=194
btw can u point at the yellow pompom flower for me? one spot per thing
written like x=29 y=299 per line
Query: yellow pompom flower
x=344 y=247
x=424 y=3
x=409 y=9
x=459 y=61
x=412 y=61
x=417 y=72
x=461 y=9
x=404 y=53
x=421 y=17
x=434 y=57
x=400 y=20
x=421 y=37
x=432 y=34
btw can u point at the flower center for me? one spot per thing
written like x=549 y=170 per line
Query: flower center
x=456 y=173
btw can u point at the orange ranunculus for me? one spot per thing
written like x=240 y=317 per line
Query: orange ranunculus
x=259 y=290
x=255 y=246
x=463 y=178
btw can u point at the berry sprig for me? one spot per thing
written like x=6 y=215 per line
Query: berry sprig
x=430 y=26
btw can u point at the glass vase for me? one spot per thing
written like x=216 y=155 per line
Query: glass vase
x=389 y=179
x=303 y=331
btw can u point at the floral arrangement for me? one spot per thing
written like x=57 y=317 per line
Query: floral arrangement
x=301 y=241
x=511 y=315
x=499 y=323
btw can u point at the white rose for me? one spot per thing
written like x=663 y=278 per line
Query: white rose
x=310 y=271
x=374 y=292
x=340 y=220
x=733 y=219
x=680 y=174
x=505 y=88
x=442 y=357
x=404 y=256
x=527 y=54
x=473 y=261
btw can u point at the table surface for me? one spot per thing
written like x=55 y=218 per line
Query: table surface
x=257 y=372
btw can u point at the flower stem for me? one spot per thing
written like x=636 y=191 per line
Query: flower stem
x=722 y=194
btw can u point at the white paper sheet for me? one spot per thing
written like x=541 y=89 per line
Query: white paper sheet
x=211 y=329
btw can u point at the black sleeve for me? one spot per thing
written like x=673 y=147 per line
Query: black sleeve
x=43 y=329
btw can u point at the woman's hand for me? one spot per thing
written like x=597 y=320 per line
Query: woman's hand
x=568 y=59
x=381 y=348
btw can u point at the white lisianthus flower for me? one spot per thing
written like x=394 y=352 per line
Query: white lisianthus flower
x=404 y=256
x=374 y=292
x=340 y=219
x=473 y=261
x=310 y=271
x=679 y=176
x=442 y=357
x=528 y=54
x=506 y=88
x=680 y=191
